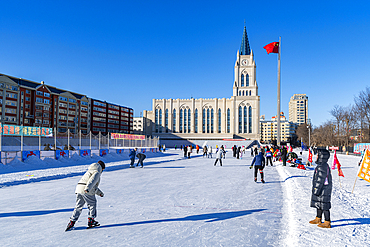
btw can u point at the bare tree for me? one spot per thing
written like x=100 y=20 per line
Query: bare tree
x=337 y=113
x=302 y=133
x=323 y=135
x=362 y=102
x=350 y=120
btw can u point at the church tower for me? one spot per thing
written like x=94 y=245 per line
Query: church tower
x=245 y=83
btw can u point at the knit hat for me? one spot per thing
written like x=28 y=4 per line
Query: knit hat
x=101 y=163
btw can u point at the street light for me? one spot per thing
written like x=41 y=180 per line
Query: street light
x=309 y=135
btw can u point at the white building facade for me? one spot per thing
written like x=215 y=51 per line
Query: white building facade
x=218 y=118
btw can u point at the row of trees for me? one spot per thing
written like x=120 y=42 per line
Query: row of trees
x=348 y=125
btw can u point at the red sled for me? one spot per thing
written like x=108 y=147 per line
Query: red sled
x=300 y=166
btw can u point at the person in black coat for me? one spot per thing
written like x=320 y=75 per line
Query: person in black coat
x=284 y=155
x=141 y=158
x=259 y=164
x=321 y=189
x=237 y=152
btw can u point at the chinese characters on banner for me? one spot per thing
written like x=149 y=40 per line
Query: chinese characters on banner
x=127 y=136
x=15 y=130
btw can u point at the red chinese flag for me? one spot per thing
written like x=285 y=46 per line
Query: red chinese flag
x=272 y=47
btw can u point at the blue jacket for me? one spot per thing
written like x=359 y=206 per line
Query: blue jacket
x=259 y=160
x=132 y=154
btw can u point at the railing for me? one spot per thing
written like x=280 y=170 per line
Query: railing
x=67 y=144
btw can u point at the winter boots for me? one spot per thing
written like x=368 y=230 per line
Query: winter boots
x=70 y=225
x=263 y=181
x=326 y=224
x=92 y=223
x=317 y=220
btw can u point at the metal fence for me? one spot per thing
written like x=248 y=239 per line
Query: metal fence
x=48 y=147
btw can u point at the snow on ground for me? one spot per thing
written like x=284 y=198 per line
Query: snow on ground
x=175 y=201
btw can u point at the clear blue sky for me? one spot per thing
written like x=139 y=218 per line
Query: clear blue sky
x=129 y=52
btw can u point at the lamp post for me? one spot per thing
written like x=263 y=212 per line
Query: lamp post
x=309 y=135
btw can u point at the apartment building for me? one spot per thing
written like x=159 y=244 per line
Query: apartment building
x=269 y=129
x=28 y=103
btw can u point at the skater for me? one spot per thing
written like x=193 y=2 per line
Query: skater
x=237 y=152
x=189 y=151
x=268 y=157
x=259 y=162
x=234 y=148
x=255 y=151
x=86 y=189
x=251 y=152
x=321 y=189
x=204 y=151
x=132 y=157
x=185 y=151
x=224 y=152
x=210 y=151
x=164 y=147
x=197 y=147
x=219 y=155
x=284 y=155
x=141 y=156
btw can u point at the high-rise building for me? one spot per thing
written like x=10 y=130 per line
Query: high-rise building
x=226 y=118
x=298 y=109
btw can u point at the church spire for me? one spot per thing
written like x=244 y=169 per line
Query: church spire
x=244 y=48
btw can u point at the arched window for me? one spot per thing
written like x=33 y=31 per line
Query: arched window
x=240 y=93
x=247 y=80
x=219 y=120
x=189 y=120
x=207 y=120
x=240 y=119
x=228 y=120
x=160 y=120
x=243 y=92
x=250 y=92
x=211 y=120
x=174 y=121
x=166 y=120
x=156 y=120
x=242 y=80
x=204 y=121
x=250 y=119
x=245 y=120
x=196 y=121
x=185 y=122
x=180 y=127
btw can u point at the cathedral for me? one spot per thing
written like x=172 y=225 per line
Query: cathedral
x=216 y=118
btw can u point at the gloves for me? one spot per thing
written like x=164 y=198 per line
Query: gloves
x=101 y=194
x=250 y=167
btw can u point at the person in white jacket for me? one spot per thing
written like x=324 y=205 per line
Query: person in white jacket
x=86 y=190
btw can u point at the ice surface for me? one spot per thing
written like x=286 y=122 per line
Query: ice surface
x=175 y=201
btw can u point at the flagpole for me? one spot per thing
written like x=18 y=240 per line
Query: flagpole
x=354 y=185
x=278 y=98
